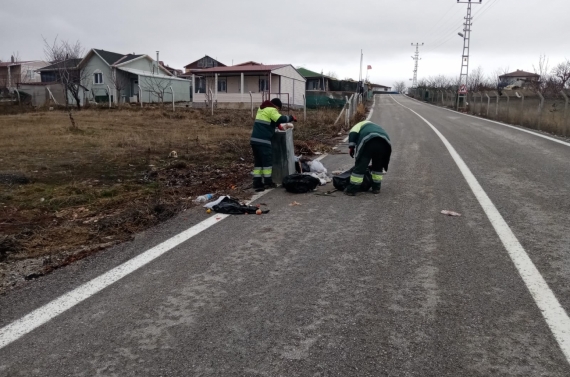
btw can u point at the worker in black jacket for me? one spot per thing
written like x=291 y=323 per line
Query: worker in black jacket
x=368 y=142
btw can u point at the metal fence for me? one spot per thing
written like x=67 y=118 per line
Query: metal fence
x=526 y=108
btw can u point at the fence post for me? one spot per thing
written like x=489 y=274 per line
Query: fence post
x=140 y=95
x=172 y=91
x=18 y=93
x=497 y=106
x=540 y=106
x=565 y=113
x=347 y=112
x=481 y=103
x=304 y=108
x=488 y=103
x=212 y=100
x=522 y=108
x=251 y=103
x=508 y=105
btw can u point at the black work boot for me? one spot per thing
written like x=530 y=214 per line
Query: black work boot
x=258 y=184
x=376 y=189
x=269 y=184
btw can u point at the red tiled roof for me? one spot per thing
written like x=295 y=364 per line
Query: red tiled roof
x=239 y=69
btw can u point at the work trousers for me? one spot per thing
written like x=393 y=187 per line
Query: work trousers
x=263 y=165
x=377 y=150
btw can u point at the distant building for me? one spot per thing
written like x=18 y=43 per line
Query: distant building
x=518 y=78
x=203 y=63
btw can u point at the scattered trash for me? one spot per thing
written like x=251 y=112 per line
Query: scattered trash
x=232 y=206
x=295 y=204
x=215 y=202
x=300 y=183
x=318 y=153
x=450 y=213
x=173 y=154
x=317 y=167
x=208 y=211
x=326 y=193
x=203 y=198
x=42 y=199
x=337 y=172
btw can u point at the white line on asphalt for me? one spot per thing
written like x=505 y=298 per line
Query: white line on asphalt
x=38 y=317
x=500 y=123
x=555 y=316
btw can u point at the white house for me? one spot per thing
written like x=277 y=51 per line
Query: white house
x=130 y=78
x=247 y=82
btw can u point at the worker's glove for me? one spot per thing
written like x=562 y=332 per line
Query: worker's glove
x=351 y=151
x=280 y=127
x=293 y=118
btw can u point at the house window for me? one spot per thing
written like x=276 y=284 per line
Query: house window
x=222 y=86
x=97 y=78
x=263 y=85
x=29 y=74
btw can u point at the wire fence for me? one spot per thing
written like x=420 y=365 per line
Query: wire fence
x=523 y=107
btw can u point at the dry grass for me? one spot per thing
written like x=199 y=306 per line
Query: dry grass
x=99 y=185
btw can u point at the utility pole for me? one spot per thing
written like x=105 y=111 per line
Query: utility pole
x=464 y=75
x=417 y=59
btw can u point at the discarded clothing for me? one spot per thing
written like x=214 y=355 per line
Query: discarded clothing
x=300 y=183
x=232 y=206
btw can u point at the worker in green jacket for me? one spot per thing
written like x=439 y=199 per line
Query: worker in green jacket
x=266 y=121
x=368 y=141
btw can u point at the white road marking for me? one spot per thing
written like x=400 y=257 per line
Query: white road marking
x=555 y=316
x=499 y=123
x=38 y=317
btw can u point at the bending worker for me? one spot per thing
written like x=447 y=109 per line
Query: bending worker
x=266 y=120
x=368 y=141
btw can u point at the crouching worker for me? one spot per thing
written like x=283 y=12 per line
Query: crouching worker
x=266 y=120
x=368 y=141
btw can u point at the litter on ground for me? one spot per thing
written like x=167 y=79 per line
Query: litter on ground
x=450 y=213
x=295 y=204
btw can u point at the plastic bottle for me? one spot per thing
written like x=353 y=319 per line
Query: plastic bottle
x=204 y=198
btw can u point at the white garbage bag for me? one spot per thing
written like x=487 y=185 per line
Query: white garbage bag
x=317 y=167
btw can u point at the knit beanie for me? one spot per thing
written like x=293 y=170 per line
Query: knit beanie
x=277 y=102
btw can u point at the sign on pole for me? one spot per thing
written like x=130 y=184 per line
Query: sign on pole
x=462 y=90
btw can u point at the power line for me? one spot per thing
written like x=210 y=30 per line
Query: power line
x=433 y=28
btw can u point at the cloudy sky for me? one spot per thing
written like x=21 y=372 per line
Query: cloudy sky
x=322 y=35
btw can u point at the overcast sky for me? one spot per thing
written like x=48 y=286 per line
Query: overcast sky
x=317 y=34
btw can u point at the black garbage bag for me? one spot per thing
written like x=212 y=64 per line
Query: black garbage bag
x=231 y=206
x=300 y=183
x=341 y=181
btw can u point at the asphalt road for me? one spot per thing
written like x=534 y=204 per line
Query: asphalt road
x=337 y=286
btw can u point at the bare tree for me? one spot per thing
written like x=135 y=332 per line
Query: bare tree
x=562 y=73
x=476 y=80
x=119 y=81
x=399 y=86
x=542 y=70
x=65 y=56
x=156 y=83
x=332 y=75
